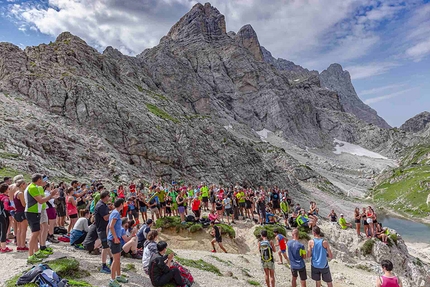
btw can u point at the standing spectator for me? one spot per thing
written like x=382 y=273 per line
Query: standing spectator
x=72 y=209
x=101 y=214
x=228 y=208
x=267 y=248
x=319 y=250
x=20 y=218
x=51 y=213
x=60 y=205
x=261 y=208
x=195 y=206
x=5 y=208
x=34 y=199
x=115 y=225
x=388 y=279
x=297 y=254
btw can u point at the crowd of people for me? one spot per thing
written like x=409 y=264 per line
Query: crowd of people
x=121 y=221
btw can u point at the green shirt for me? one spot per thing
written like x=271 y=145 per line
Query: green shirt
x=241 y=197
x=96 y=198
x=342 y=223
x=173 y=195
x=31 y=205
x=161 y=195
x=284 y=206
x=42 y=193
x=205 y=191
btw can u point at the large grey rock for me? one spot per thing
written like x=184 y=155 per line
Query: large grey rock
x=417 y=123
x=336 y=79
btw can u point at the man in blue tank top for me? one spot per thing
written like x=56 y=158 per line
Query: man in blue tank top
x=319 y=250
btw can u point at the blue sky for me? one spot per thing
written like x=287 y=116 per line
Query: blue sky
x=385 y=45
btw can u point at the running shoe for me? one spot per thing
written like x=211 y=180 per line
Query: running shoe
x=79 y=246
x=121 y=279
x=41 y=254
x=6 y=250
x=114 y=284
x=213 y=251
x=33 y=259
x=52 y=239
x=48 y=250
x=22 y=249
x=105 y=270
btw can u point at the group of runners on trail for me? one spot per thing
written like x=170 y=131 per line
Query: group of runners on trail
x=117 y=222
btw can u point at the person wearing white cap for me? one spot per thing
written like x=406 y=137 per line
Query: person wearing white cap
x=342 y=222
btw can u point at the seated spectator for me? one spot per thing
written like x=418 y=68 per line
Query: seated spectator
x=213 y=216
x=292 y=221
x=143 y=233
x=160 y=272
x=149 y=248
x=128 y=241
x=342 y=222
x=91 y=242
x=382 y=233
x=80 y=230
x=302 y=219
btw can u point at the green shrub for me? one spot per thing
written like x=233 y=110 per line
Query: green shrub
x=367 y=247
x=227 y=229
x=270 y=228
x=195 y=227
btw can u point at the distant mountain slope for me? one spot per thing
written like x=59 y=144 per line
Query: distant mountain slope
x=417 y=123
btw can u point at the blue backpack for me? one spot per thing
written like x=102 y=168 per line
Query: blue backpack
x=44 y=276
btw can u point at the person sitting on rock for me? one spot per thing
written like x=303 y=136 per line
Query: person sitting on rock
x=342 y=222
x=382 y=233
x=388 y=279
x=303 y=220
x=292 y=220
x=149 y=248
x=160 y=271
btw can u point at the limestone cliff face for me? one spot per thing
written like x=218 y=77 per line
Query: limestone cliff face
x=336 y=79
x=417 y=123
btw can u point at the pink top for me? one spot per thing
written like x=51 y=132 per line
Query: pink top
x=71 y=209
x=389 y=281
x=213 y=217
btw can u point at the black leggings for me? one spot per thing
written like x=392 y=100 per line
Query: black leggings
x=173 y=276
x=4 y=224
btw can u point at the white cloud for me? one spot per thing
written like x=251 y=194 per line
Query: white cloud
x=380 y=89
x=420 y=50
x=386 y=97
x=418 y=36
x=369 y=70
x=295 y=30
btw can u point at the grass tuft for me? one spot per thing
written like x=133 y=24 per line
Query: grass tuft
x=199 y=264
x=161 y=113
x=270 y=228
x=367 y=247
x=253 y=283
x=227 y=229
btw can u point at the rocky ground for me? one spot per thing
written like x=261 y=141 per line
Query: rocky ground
x=241 y=267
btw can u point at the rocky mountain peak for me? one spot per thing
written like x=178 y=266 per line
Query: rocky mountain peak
x=339 y=80
x=201 y=20
x=417 y=123
x=247 y=38
x=68 y=37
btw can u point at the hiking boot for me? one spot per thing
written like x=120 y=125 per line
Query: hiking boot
x=114 y=284
x=121 y=279
x=33 y=259
x=105 y=270
x=41 y=254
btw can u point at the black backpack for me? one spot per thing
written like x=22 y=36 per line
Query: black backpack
x=190 y=218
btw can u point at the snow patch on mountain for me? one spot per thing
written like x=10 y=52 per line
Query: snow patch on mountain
x=346 y=147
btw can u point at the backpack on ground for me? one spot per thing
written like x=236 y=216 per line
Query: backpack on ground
x=205 y=222
x=50 y=278
x=185 y=273
x=60 y=230
x=190 y=218
x=266 y=251
x=30 y=276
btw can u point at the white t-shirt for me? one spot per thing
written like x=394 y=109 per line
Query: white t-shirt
x=81 y=224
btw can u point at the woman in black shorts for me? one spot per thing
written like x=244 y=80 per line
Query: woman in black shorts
x=357 y=217
x=365 y=224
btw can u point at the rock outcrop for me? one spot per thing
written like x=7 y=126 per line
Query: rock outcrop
x=336 y=79
x=417 y=124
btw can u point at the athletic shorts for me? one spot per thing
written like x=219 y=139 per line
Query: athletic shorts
x=52 y=214
x=357 y=221
x=143 y=208
x=162 y=204
x=103 y=238
x=73 y=216
x=19 y=216
x=268 y=265
x=205 y=199
x=276 y=204
x=301 y=272
x=317 y=273
x=284 y=251
x=242 y=204
x=181 y=209
x=43 y=216
x=33 y=221
x=229 y=211
x=115 y=248
x=218 y=239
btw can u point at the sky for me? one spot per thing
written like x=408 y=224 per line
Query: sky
x=385 y=45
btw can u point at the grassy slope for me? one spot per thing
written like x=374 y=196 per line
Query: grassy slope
x=407 y=188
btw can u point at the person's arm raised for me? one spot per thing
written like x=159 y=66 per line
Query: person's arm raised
x=42 y=200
